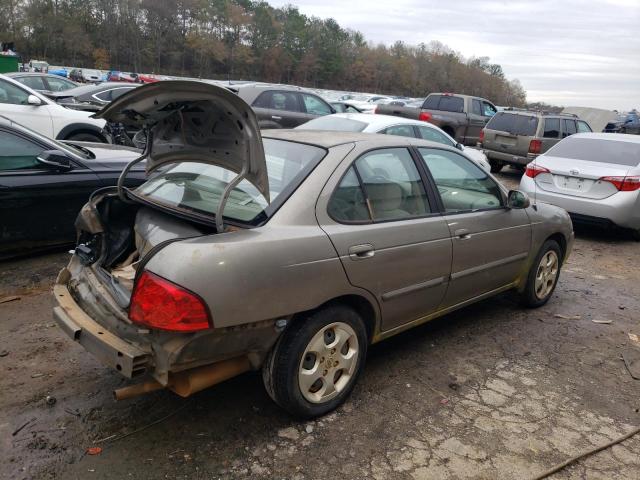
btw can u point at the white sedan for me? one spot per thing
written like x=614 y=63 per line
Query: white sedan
x=390 y=125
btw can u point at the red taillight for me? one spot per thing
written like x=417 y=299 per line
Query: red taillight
x=534 y=146
x=424 y=116
x=158 y=303
x=481 y=139
x=534 y=170
x=624 y=184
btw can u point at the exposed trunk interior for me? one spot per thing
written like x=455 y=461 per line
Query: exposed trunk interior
x=131 y=234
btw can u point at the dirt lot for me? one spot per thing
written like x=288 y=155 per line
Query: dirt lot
x=490 y=392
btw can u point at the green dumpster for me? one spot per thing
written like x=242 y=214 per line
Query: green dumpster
x=8 y=63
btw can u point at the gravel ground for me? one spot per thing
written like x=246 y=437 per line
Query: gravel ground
x=489 y=392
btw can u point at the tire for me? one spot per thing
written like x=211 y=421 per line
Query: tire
x=541 y=282
x=635 y=234
x=85 y=137
x=495 y=166
x=309 y=349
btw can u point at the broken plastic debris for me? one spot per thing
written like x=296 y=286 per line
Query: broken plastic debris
x=567 y=317
x=604 y=322
x=94 y=450
x=634 y=338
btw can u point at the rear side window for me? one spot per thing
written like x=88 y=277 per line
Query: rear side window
x=476 y=107
x=551 y=128
x=348 y=204
x=385 y=185
x=33 y=82
x=569 y=128
x=401 y=131
x=598 y=150
x=287 y=101
x=514 y=124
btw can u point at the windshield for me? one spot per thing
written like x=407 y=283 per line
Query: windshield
x=197 y=187
x=330 y=122
x=598 y=150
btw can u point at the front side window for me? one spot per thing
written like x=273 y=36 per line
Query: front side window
x=462 y=185
x=401 y=131
x=18 y=153
x=315 y=106
x=197 y=187
x=583 y=127
x=551 y=128
x=11 y=94
x=488 y=110
x=59 y=84
x=435 y=136
x=569 y=128
x=392 y=187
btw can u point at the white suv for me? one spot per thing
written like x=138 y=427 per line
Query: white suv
x=27 y=107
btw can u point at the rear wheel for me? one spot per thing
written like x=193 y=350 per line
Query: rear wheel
x=496 y=166
x=543 y=275
x=315 y=364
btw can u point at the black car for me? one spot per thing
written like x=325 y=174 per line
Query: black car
x=45 y=83
x=92 y=97
x=45 y=182
x=282 y=106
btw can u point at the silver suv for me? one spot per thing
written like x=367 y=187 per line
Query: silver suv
x=517 y=137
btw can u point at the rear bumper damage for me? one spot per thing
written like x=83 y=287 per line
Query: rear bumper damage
x=183 y=363
x=128 y=359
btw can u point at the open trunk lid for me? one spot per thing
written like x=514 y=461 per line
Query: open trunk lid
x=191 y=121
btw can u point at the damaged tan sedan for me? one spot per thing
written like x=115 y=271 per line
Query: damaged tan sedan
x=286 y=251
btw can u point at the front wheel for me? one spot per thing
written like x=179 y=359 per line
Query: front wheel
x=315 y=364
x=543 y=275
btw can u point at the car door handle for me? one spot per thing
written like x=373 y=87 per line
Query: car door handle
x=276 y=117
x=462 y=234
x=361 y=252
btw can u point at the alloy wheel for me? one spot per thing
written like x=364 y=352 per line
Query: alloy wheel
x=328 y=363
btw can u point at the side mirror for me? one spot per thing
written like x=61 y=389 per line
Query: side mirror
x=34 y=101
x=459 y=146
x=517 y=199
x=55 y=160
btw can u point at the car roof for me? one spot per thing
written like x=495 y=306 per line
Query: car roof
x=377 y=121
x=330 y=138
x=31 y=74
x=616 y=137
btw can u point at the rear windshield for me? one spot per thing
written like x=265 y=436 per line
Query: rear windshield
x=598 y=150
x=514 y=124
x=197 y=187
x=446 y=103
x=330 y=122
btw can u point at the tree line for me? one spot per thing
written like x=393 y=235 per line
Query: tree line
x=241 y=39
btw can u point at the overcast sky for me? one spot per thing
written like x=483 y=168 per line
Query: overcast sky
x=565 y=52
